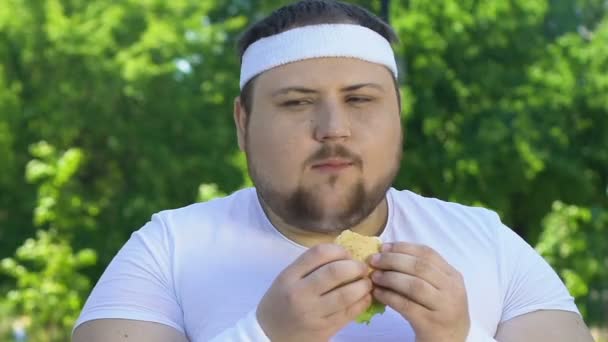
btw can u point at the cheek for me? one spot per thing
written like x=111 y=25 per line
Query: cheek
x=381 y=141
x=278 y=150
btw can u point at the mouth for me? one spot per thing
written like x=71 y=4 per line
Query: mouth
x=332 y=165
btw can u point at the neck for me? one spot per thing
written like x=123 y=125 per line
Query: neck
x=372 y=225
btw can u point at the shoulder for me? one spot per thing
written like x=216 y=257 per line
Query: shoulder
x=438 y=207
x=450 y=216
x=217 y=207
x=197 y=218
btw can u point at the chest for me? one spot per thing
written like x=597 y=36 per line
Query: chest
x=217 y=293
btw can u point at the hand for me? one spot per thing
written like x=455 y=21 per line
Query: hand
x=417 y=282
x=315 y=296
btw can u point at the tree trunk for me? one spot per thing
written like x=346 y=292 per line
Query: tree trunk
x=384 y=10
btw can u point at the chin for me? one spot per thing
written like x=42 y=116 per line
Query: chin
x=334 y=203
x=335 y=194
x=338 y=224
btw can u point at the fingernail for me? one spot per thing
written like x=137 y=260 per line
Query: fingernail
x=376 y=275
x=386 y=247
x=375 y=258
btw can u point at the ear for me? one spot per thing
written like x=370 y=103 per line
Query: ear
x=240 y=120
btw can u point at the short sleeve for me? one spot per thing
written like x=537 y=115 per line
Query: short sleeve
x=529 y=283
x=138 y=283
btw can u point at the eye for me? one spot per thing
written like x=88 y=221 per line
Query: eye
x=358 y=99
x=295 y=103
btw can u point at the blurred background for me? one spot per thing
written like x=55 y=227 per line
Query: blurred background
x=113 y=110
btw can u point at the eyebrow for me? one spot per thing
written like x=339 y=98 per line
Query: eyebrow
x=286 y=90
x=304 y=90
x=362 y=85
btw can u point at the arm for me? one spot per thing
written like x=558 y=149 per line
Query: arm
x=102 y=330
x=544 y=325
x=416 y=282
x=538 y=306
x=331 y=295
x=134 y=299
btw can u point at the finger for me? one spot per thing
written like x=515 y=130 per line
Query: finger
x=412 y=265
x=411 y=310
x=345 y=296
x=334 y=274
x=314 y=258
x=421 y=251
x=410 y=287
x=349 y=314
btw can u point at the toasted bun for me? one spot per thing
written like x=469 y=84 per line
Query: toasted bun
x=359 y=246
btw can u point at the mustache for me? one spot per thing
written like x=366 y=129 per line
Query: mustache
x=334 y=151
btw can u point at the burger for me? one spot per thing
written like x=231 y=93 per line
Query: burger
x=360 y=248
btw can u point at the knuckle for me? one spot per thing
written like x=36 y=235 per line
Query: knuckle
x=349 y=294
x=426 y=252
x=292 y=297
x=403 y=305
x=363 y=286
x=462 y=300
x=361 y=268
x=351 y=311
x=421 y=266
x=355 y=309
x=319 y=251
x=462 y=290
x=343 y=297
x=358 y=269
x=333 y=271
x=331 y=321
x=399 y=247
x=387 y=261
x=416 y=286
x=388 y=278
x=323 y=251
x=283 y=278
x=458 y=282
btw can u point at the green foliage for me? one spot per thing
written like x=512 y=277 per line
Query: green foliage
x=49 y=287
x=493 y=102
x=571 y=241
x=58 y=205
x=208 y=192
x=113 y=110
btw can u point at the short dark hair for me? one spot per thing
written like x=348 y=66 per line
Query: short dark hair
x=304 y=13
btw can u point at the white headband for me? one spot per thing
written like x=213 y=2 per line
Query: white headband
x=314 y=41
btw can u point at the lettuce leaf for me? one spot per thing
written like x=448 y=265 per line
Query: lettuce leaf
x=375 y=308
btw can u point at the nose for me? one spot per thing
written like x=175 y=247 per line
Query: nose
x=332 y=122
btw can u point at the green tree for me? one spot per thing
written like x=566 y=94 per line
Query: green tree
x=570 y=243
x=140 y=87
x=114 y=110
x=49 y=287
x=487 y=103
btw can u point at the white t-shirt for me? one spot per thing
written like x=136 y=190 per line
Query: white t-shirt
x=202 y=269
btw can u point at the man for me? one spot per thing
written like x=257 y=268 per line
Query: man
x=319 y=120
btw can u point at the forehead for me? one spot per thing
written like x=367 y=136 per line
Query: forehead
x=324 y=73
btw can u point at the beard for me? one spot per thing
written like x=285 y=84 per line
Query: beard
x=302 y=208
